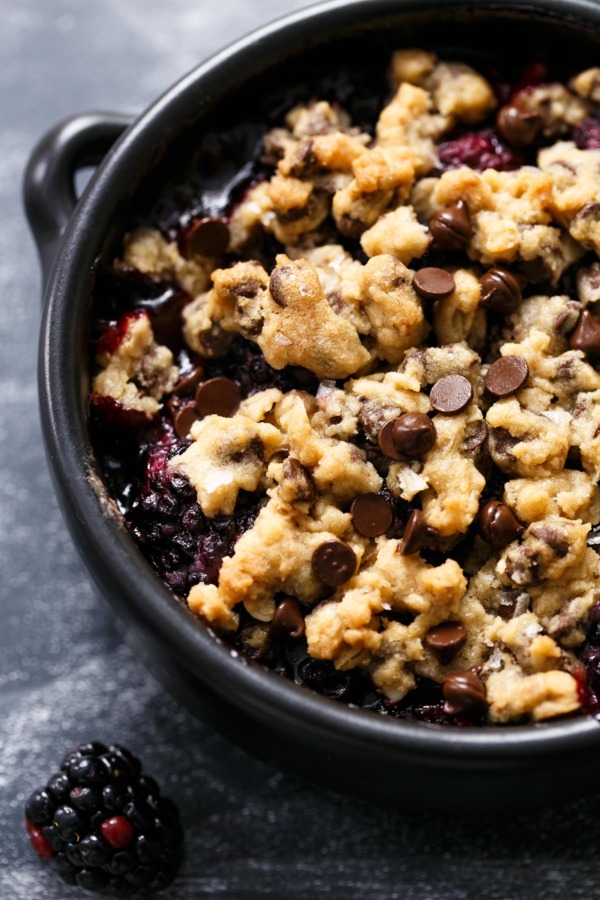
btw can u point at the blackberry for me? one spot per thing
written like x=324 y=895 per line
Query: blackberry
x=105 y=824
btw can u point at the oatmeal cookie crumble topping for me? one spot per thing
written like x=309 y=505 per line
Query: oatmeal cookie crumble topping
x=424 y=448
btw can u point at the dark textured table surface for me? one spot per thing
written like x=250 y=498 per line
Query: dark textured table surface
x=65 y=674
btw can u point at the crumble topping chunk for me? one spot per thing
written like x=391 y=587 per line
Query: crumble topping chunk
x=137 y=372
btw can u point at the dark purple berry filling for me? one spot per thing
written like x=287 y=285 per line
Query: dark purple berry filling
x=183 y=546
x=587 y=135
x=478 y=150
x=589 y=654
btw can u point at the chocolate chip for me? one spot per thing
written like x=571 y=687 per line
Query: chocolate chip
x=387 y=444
x=506 y=376
x=350 y=227
x=450 y=228
x=567 y=319
x=464 y=693
x=174 y=405
x=371 y=515
x=298 y=482
x=586 y=336
x=446 y=639
x=373 y=415
x=507 y=603
x=417 y=535
x=295 y=213
x=589 y=211
x=500 y=290
x=451 y=394
x=247 y=289
x=188 y=383
x=498 y=524
x=253 y=452
x=550 y=536
x=588 y=283
x=475 y=440
x=502 y=442
x=334 y=562
x=218 y=396
x=278 y=285
x=518 y=127
x=183 y=420
x=288 y=621
x=413 y=434
x=432 y=283
x=204 y=237
x=216 y=342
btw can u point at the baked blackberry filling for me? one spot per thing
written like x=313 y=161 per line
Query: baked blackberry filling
x=346 y=399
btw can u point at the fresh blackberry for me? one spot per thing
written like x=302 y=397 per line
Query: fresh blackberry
x=105 y=824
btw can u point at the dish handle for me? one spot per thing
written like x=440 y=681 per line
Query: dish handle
x=49 y=189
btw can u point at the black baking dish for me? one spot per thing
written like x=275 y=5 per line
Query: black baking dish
x=412 y=765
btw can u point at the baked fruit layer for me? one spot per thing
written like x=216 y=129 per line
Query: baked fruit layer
x=352 y=417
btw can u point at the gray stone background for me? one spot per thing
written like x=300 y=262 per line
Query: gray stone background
x=65 y=675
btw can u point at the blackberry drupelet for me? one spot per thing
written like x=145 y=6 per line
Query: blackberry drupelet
x=106 y=824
